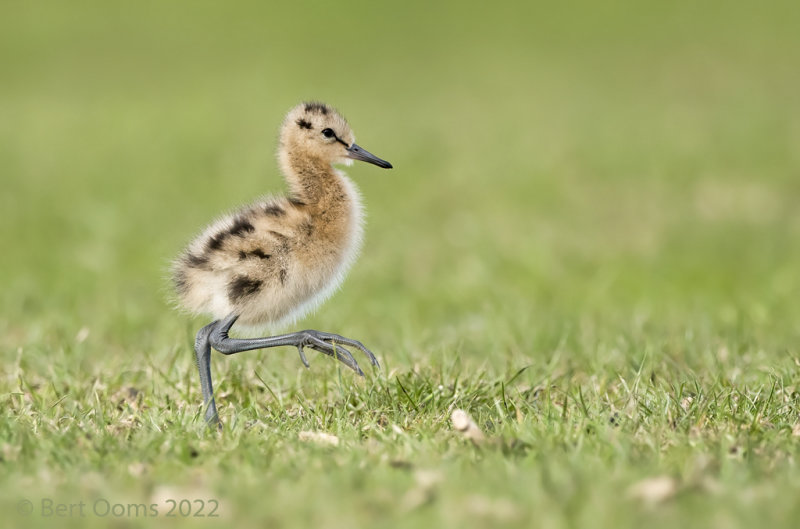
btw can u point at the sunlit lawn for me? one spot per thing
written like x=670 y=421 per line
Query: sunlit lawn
x=590 y=241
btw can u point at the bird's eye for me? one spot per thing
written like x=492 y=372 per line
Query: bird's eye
x=328 y=133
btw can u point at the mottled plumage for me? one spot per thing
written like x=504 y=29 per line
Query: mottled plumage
x=272 y=261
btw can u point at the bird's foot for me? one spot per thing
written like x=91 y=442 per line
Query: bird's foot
x=332 y=345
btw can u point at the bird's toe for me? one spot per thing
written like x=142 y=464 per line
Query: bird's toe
x=303 y=356
x=336 y=351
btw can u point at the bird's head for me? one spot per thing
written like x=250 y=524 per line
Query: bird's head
x=316 y=131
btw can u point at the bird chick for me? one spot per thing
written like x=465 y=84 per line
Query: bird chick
x=273 y=261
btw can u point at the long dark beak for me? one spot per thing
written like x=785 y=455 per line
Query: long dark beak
x=357 y=153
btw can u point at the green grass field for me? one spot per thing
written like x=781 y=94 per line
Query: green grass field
x=590 y=242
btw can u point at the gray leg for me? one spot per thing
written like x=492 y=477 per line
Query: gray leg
x=324 y=342
x=215 y=334
x=203 y=351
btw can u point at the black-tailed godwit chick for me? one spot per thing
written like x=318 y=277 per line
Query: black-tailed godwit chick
x=271 y=262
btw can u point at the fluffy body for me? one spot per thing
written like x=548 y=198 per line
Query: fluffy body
x=273 y=261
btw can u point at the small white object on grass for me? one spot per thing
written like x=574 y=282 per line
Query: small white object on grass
x=321 y=438
x=83 y=333
x=463 y=423
x=652 y=491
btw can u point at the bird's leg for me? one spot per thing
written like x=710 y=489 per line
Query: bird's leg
x=327 y=343
x=215 y=334
x=202 y=349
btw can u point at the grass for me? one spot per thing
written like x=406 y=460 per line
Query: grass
x=590 y=242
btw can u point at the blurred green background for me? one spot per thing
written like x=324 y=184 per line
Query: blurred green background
x=547 y=157
x=586 y=185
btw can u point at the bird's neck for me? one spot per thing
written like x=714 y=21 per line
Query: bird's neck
x=316 y=183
